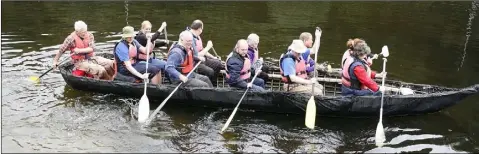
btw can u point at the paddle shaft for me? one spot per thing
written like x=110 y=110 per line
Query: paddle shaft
x=382 y=93
x=214 y=51
x=53 y=67
x=237 y=105
x=171 y=94
x=147 y=59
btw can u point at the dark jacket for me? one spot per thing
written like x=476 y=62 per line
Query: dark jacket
x=141 y=37
x=234 y=66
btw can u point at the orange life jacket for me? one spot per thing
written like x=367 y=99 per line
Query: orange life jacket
x=188 y=62
x=300 y=67
x=79 y=43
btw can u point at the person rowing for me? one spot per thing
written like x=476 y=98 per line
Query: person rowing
x=126 y=57
x=141 y=37
x=212 y=65
x=350 y=43
x=253 y=55
x=307 y=39
x=181 y=61
x=357 y=77
x=293 y=71
x=239 y=69
x=81 y=44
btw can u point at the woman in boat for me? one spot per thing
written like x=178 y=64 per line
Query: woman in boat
x=238 y=68
x=357 y=77
x=253 y=54
x=350 y=43
x=293 y=71
x=127 y=61
x=141 y=37
x=181 y=61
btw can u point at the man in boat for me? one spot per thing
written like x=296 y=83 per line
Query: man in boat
x=181 y=61
x=293 y=71
x=238 y=68
x=126 y=57
x=141 y=37
x=357 y=77
x=81 y=44
x=253 y=54
x=307 y=39
x=212 y=65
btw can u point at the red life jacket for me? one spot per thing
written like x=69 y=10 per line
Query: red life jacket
x=80 y=44
x=245 y=72
x=300 y=68
x=142 y=56
x=348 y=78
x=188 y=62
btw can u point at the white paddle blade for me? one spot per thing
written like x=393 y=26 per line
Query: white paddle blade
x=385 y=51
x=380 y=137
x=310 y=119
x=143 y=109
x=406 y=91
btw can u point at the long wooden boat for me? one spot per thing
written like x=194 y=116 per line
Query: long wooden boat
x=426 y=99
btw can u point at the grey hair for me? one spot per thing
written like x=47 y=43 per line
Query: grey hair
x=80 y=26
x=184 y=34
x=252 y=39
x=361 y=49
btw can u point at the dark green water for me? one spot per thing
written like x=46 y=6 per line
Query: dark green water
x=426 y=42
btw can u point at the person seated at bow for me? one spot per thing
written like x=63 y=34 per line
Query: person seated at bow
x=253 y=54
x=238 y=68
x=293 y=71
x=349 y=51
x=357 y=77
x=141 y=37
x=81 y=44
x=211 y=65
x=126 y=57
x=307 y=39
x=181 y=61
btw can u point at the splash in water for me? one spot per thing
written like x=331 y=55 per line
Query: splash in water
x=126 y=12
x=472 y=14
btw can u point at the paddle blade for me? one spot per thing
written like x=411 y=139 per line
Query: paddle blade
x=406 y=91
x=380 y=137
x=385 y=51
x=34 y=79
x=310 y=113
x=143 y=109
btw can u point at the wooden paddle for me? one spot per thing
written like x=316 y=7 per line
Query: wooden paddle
x=380 y=137
x=310 y=118
x=237 y=106
x=144 y=106
x=152 y=116
x=37 y=79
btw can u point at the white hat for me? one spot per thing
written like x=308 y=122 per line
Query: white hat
x=297 y=46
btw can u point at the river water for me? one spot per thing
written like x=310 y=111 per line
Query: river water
x=426 y=42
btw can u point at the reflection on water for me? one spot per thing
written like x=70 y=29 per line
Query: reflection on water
x=53 y=117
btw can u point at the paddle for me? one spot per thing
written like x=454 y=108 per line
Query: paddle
x=37 y=79
x=152 y=116
x=310 y=118
x=380 y=137
x=216 y=54
x=237 y=106
x=144 y=106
